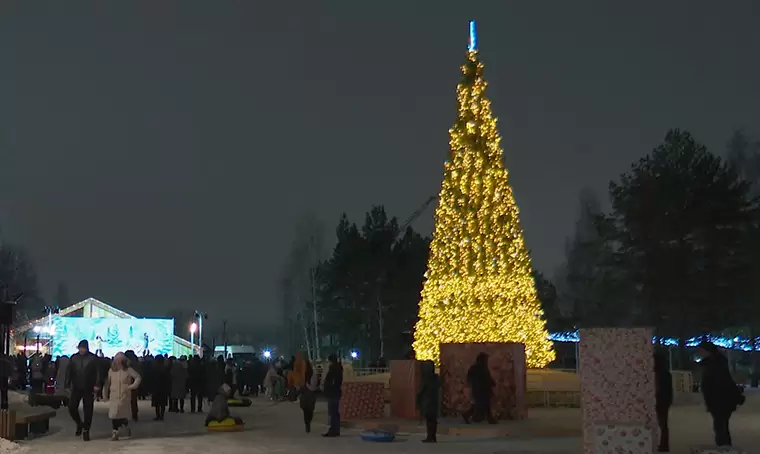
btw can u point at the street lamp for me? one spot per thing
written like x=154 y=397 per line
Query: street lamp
x=200 y=316
x=193 y=329
x=354 y=354
x=267 y=354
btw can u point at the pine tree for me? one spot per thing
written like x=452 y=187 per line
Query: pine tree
x=479 y=285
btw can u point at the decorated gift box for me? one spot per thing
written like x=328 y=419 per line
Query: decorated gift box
x=362 y=400
x=617 y=439
x=617 y=384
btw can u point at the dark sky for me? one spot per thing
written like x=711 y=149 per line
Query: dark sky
x=155 y=155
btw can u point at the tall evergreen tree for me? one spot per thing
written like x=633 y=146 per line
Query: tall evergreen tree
x=680 y=215
x=479 y=285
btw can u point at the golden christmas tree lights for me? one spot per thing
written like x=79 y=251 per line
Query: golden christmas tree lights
x=479 y=285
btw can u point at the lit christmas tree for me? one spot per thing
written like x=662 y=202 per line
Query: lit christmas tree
x=479 y=286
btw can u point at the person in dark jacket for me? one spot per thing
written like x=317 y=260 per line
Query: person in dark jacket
x=663 y=394
x=197 y=383
x=428 y=399
x=162 y=383
x=84 y=380
x=481 y=390
x=215 y=376
x=331 y=388
x=719 y=390
x=307 y=395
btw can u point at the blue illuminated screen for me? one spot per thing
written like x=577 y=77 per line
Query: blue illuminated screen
x=153 y=336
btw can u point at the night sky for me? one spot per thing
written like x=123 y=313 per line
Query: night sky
x=155 y=155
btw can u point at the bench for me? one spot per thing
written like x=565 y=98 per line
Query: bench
x=32 y=422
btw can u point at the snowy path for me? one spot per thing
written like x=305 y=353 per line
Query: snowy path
x=277 y=428
x=270 y=428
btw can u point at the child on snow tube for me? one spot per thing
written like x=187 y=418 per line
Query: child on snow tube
x=219 y=417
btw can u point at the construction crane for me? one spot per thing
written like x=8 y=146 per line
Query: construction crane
x=414 y=216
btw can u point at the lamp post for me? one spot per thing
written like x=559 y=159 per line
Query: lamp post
x=200 y=316
x=193 y=328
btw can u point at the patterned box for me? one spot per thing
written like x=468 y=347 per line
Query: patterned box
x=717 y=450
x=404 y=384
x=362 y=400
x=616 y=439
x=617 y=383
x=507 y=365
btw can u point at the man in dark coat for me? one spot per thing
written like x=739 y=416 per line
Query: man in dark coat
x=84 y=379
x=719 y=390
x=663 y=394
x=331 y=388
x=428 y=399
x=197 y=383
x=162 y=384
x=481 y=389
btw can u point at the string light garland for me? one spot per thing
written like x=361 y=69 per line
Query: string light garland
x=479 y=285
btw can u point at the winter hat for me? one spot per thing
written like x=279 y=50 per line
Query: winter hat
x=84 y=344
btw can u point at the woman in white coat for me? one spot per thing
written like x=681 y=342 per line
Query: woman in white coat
x=122 y=379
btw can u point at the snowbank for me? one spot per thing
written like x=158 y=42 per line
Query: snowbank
x=9 y=447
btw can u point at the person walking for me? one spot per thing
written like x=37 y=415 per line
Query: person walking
x=307 y=396
x=122 y=381
x=719 y=390
x=83 y=379
x=481 y=389
x=428 y=399
x=663 y=394
x=332 y=391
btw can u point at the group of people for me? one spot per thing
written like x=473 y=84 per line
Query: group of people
x=125 y=379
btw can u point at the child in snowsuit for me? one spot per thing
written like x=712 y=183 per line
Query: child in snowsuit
x=219 y=410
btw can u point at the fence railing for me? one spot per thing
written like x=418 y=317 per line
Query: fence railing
x=364 y=371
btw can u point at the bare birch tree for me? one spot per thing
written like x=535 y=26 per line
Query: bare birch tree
x=299 y=281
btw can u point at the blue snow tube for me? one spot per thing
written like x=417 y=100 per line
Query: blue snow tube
x=378 y=436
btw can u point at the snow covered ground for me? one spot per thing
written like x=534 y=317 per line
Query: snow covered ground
x=270 y=428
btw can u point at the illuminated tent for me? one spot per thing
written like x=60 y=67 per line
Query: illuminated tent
x=89 y=308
